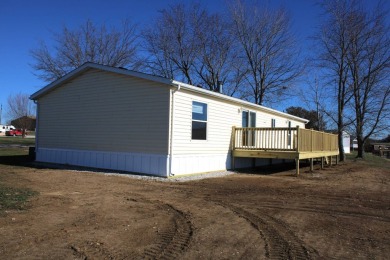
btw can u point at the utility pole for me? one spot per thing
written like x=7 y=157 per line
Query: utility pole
x=1 y=112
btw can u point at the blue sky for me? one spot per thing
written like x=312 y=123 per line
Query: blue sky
x=24 y=23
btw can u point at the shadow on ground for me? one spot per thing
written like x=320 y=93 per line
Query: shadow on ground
x=287 y=168
x=17 y=160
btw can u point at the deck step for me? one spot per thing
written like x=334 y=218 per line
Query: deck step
x=327 y=160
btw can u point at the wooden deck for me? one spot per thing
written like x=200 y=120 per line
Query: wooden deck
x=283 y=143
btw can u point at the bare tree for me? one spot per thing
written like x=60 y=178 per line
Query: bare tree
x=316 y=121
x=217 y=63
x=20 y=107
x=172 y=43
x=89 y=43
x=333 y=48
x=190 y=44
x=369 y=63
x=268 y=50
x=355 y=55
x=314 y=96
x=159 y=52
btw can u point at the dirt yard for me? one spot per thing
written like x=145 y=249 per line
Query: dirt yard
x=341 y=212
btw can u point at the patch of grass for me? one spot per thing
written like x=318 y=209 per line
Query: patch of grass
x=371 y=160
x=17 y=140
x=13 y=151
x=17 y=156
x=14 y=198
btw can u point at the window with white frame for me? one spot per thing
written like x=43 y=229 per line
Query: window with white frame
x=199 y=121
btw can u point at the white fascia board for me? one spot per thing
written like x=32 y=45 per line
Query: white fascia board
x=89 y=65
x=236 y=100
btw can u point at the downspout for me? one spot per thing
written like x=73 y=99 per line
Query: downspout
x=36 y=127
x=170 y=174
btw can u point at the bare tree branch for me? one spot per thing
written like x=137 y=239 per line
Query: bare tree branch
x=332 y=59
x=369 y=63
x=268 y=48
x=89 y=43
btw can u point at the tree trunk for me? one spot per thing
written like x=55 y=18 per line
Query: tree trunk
x=340 y=127
x=360 y=147
x=341 y=146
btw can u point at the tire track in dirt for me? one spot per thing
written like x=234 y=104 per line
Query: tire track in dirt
x=91 y=250
x=314 y=208
x=175 y=241
x=280 y=240
x=172 y=242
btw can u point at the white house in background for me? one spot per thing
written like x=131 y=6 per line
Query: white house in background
x=355 y=144
x=346 y=142
x=112 y=118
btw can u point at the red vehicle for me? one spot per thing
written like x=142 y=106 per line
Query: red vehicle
x=14 y=132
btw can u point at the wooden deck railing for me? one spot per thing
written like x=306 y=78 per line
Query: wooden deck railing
x=283 y=139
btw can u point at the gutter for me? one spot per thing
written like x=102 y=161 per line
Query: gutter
x=36 y=128
x=178 y=86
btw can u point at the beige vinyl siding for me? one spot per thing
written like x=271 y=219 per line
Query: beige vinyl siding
x=264 y=120
x=221 y=116
x=219 y=122
x=104 y=111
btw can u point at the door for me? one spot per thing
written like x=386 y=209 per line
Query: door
x=248 y=120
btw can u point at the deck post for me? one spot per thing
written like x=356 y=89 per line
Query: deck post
x=330 y=160
x=322 y=162
x=311 y=164
x=311 y=140
x=233 y=137
x=297 y=148
x=297 y=166
x=337 y=159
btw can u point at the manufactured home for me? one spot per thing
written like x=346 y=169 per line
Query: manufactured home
x=112 y=118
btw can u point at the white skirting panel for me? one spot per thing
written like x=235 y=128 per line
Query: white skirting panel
x=199 y=163
x=152 y=164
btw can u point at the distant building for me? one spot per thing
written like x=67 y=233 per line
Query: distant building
x=381 y=149
x=346 y=142
x=355 y=144
x=25 y=121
